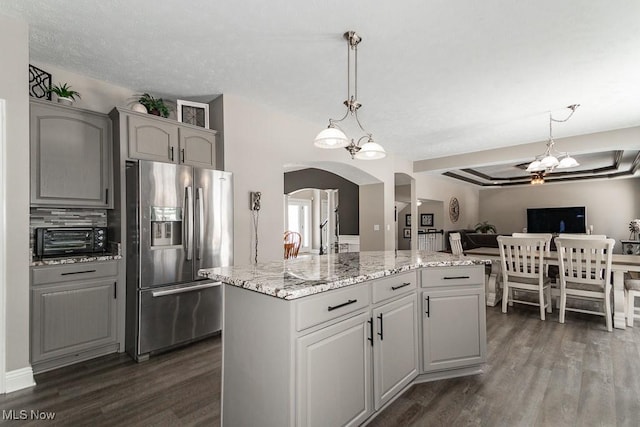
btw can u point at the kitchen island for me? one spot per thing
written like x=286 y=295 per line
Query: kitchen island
x=332 y=339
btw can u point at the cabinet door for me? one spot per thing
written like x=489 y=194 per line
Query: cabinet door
x=152 y=139
x=334 y=374
x=68 y=318
x=197 y=148
x=70 y=157
x=395 y=349
x=454 y=328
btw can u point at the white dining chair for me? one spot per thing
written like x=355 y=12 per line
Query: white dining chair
x=582 y=236
x=631 y=291
x=522 y=260
x=456 y=243
x=585 y=273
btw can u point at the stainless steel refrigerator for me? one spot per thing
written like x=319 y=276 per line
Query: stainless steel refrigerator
x=179 y=220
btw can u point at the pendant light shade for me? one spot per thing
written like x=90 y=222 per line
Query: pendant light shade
x=568 y=162
x=549 y=162
x=331 y=137
x=370 y=151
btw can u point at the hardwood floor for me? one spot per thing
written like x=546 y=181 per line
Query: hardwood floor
x=539 y=373
x=179 y=388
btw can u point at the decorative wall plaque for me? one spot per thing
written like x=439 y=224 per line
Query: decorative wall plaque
x=39 y=83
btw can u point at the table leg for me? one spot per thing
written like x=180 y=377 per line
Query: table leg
x=619 y=320
x=493 y=290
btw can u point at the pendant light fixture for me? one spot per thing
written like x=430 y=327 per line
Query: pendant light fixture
x=333 y=136
x=548 y=161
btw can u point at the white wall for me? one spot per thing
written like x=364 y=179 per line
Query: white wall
x=14 y=84
x=610 y=204
x=435 y=187
x=259 y=142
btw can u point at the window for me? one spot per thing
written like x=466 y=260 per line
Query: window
x=299 y=219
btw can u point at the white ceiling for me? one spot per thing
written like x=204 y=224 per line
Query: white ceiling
x=436 y=77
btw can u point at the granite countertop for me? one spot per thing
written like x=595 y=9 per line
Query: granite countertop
x=74 y=259
x=312 y=274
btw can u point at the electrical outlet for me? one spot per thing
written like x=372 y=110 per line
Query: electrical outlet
x=376 y=227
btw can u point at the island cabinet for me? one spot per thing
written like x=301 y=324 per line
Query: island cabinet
x=149 y=137
x=453 y=318
x=71 y=158
x=73 y=313
x=350 y=351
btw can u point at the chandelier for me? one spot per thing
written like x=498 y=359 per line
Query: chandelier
x=548 y=161
x=333 y=136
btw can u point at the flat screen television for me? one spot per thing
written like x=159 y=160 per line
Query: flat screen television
x=557 y=220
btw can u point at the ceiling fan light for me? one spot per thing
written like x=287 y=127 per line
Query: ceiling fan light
x=549 y=162
x=568 y=162
x=331 y=137
x=371 y=151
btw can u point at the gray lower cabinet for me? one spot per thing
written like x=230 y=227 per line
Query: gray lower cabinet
x=73 y=313
x=334 y=375
x=71 y=157
x=148 y=137
x=395 y=349
x=453 y=319
x=338 y=357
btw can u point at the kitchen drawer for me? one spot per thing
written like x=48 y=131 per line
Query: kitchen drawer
x=317 y=309
x=447 y=276
x=70 y=272
x=397 y=284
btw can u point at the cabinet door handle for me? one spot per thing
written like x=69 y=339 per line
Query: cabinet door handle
x=395 y=288
x=456 y=277
x=182 y=155
x=115 y=290
x=351 y=301
x=370 y=337
x=428 y=307
x=171 y=153
x=106 y=196
x=381 y=333
x=77 y=272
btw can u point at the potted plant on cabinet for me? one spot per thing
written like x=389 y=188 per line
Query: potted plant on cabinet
x=66 y=95
x=155 y=106
x=485 y=227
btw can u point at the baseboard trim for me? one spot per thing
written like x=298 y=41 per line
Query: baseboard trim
x=18 y=379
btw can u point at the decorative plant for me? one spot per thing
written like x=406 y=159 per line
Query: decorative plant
x=485 y=227
x=155 y=106
x=64 y=91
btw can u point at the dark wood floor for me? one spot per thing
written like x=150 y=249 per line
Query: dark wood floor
x=538 y=373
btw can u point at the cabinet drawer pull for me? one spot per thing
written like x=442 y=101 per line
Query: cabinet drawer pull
x=77 y=272
x=351 y=301
x=456 y=277
x=381 y=333
x=395 y=288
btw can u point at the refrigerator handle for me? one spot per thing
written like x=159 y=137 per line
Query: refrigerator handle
x=188 y=223
x=200 y=211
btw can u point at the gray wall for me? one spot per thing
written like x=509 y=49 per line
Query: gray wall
x=348 y=194
x=14 y=83
x=372 y=215
x=610 y=204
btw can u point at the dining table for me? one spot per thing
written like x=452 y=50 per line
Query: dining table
x=620 y=264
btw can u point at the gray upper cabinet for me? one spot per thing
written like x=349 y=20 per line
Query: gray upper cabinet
x=148 y=137
x=70 y=157
x=151 y=139
x=197 y=148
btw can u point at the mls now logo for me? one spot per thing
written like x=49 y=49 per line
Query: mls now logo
x=23 y=414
